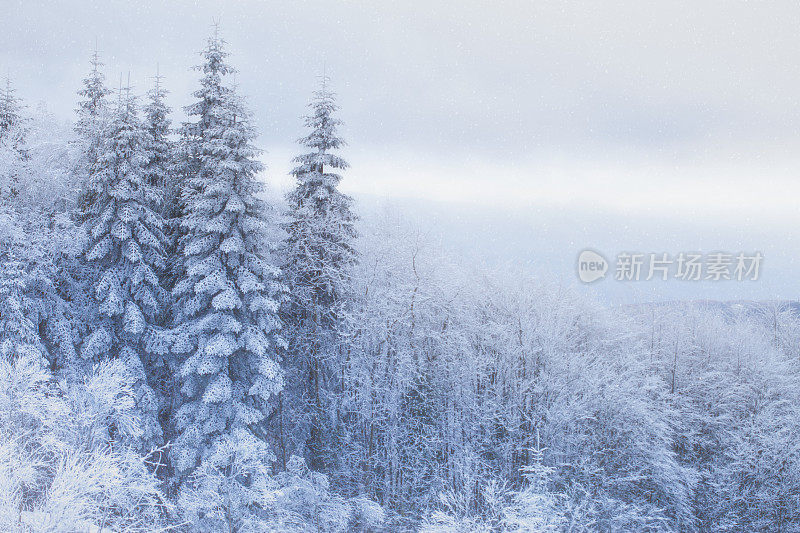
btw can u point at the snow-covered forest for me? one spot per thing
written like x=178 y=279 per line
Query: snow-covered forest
x=183 y=350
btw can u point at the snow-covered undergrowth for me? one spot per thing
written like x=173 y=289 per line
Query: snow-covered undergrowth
x=63 y=462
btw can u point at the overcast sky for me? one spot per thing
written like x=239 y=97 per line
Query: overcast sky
x=683 y=109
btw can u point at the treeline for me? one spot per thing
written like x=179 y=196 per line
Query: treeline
x=180 y=351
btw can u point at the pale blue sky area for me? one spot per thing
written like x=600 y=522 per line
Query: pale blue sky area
x=652 y=125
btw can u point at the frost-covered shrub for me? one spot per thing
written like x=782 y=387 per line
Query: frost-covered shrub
x=101 y=488
x=302 y=501
x=441 y=522
x=535 y=507
x=227 y=491
x=106 y=406
x=61 y=467
x=27 y=421
x=244 y=496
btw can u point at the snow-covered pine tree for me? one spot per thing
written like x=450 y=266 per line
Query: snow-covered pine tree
x=125 y=245
x=159 y=175
x=12 y=142
x=160 y=166
x=228 y=293
x=159 y=147
x=535 y=507
x=10 y=108
x=92 y=114
x=74 y=277
x=93 y=106
x=187 y=152
x=18 y=334
x=319 y=254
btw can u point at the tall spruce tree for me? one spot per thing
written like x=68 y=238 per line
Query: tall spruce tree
x=228 y=291
x=18 y=334
x=159 y=175
x=10 y=111
x=125 y=245
x=160 y=166
x=319 y=254
x=92 y=114
x=184 y=167
x=160 y=152
x=93 y=106
x=13 y=154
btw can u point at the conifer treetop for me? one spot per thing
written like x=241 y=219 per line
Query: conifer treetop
x=10 y=108
x=158 y=125
x=322 y=138
x=93 y=92
x=156 y=109
x=212 y=91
